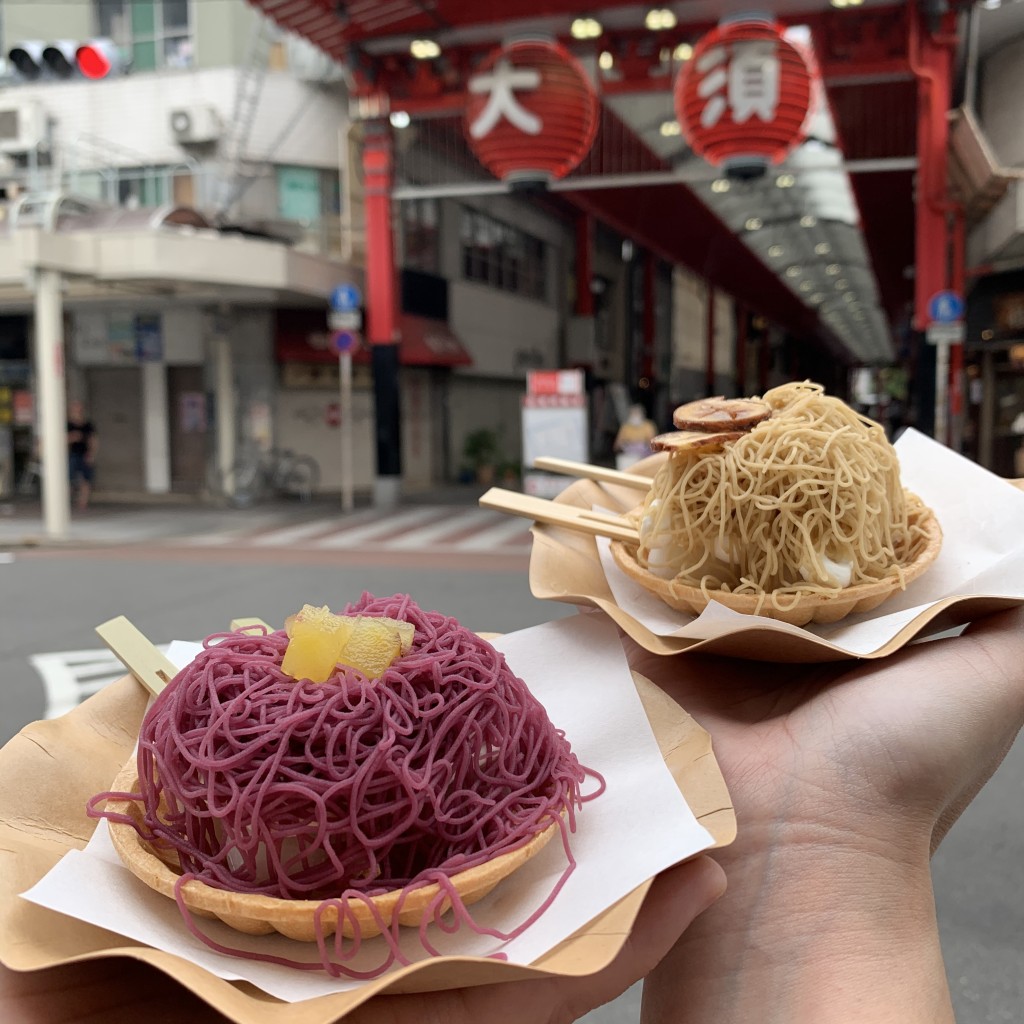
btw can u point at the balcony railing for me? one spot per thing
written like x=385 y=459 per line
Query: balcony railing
x=193 y=185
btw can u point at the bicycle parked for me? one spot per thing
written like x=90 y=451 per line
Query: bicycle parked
x=260 y=474
x=30 y=480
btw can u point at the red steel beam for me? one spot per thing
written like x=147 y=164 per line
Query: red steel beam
x=380 y=253
x=932 y=61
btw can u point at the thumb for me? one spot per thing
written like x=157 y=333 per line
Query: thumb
x=676 y=898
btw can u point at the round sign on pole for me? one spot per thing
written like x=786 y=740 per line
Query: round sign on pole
x=945 y=308
x=346 y=297
x=345 y=320
x=345 y=341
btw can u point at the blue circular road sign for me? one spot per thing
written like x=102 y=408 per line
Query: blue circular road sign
x=345 y=341
x=346 y=297
x=945 y=308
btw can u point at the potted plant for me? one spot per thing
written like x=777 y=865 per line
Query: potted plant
x=480 y=451
x=508 y=474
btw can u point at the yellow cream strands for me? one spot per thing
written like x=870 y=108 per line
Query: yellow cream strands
x=807 y=501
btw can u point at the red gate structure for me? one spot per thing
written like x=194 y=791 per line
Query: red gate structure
x=883 y=79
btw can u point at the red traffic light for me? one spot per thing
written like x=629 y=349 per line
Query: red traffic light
x=64 y=59
x=92 y=61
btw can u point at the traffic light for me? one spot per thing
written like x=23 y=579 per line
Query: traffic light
x=65 y=58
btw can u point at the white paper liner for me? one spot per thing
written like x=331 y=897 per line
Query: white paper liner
x=597 y=705
x=982 y=520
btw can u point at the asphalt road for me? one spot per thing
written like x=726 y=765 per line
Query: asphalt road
x=51 y=601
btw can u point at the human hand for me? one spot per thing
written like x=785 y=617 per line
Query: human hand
x=122 y=991
x=845 y=778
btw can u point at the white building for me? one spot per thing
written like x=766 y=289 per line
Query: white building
x=166 y=326
x=200 y=204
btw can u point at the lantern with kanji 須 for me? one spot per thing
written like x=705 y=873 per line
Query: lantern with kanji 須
x=531 y=113
x=743 y=98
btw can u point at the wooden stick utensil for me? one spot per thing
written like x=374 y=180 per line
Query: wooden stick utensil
x=246 y=624
x=599 y=473
x=140 y=657
x=544 y=511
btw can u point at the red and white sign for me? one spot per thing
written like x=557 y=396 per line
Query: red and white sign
x=532 y=112
x=554 y=420
x=554 y=382
x=24 y=408
x=553 y=401
x=744 y=95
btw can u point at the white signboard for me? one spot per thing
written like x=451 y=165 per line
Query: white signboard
x=945 y=334
x=557 y=428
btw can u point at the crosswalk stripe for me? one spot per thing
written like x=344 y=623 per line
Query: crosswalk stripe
x=71 y=676
x=509 y=528
x=214 y=540
x=291 y=534
x=436 y=532
x=381 y=528
x=446 y=528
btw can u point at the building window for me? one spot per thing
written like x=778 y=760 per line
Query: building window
x=307 y=194
x=421 y=235
x=151 y=34
x=141 y=186
x=503 y=256
x=298 y=193
x=134 y=186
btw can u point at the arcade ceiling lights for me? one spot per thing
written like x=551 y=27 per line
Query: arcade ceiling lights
x=804 y=206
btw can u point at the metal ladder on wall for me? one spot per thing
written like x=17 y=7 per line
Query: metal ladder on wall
x=235 y=176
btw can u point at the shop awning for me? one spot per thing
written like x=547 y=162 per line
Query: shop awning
x=302 y=336
x=429 y=343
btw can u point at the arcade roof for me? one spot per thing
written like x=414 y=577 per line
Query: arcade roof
x=851 y=206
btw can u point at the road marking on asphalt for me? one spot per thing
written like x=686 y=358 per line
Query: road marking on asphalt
x=288 y=535
x=212 y=540
x=439 y=528
x=71 y=676
x=447 y=527
x=382 y=528
x=500 y=534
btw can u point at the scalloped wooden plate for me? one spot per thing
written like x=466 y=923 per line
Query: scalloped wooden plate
x=804 y=608
x=262 y=915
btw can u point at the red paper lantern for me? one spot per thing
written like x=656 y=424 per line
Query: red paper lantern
x=742 y=99
x=531 y=114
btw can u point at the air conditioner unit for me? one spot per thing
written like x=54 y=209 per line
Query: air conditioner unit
x=193 y=125
x=22 y=126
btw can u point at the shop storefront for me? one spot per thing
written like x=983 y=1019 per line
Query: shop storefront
x=308 y=407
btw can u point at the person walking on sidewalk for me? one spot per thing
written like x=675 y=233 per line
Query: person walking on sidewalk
x=81 y=454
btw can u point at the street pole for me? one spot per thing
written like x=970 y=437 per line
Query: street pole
x=53 y=415
x=225 y=404
x=941 y=391
x=345 y=425
x=346 y=185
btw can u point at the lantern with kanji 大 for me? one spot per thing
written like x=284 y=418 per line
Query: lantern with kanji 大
x=743 y=98
x=531 y=113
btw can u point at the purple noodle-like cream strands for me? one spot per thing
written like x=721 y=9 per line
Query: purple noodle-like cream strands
x=339 y=791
